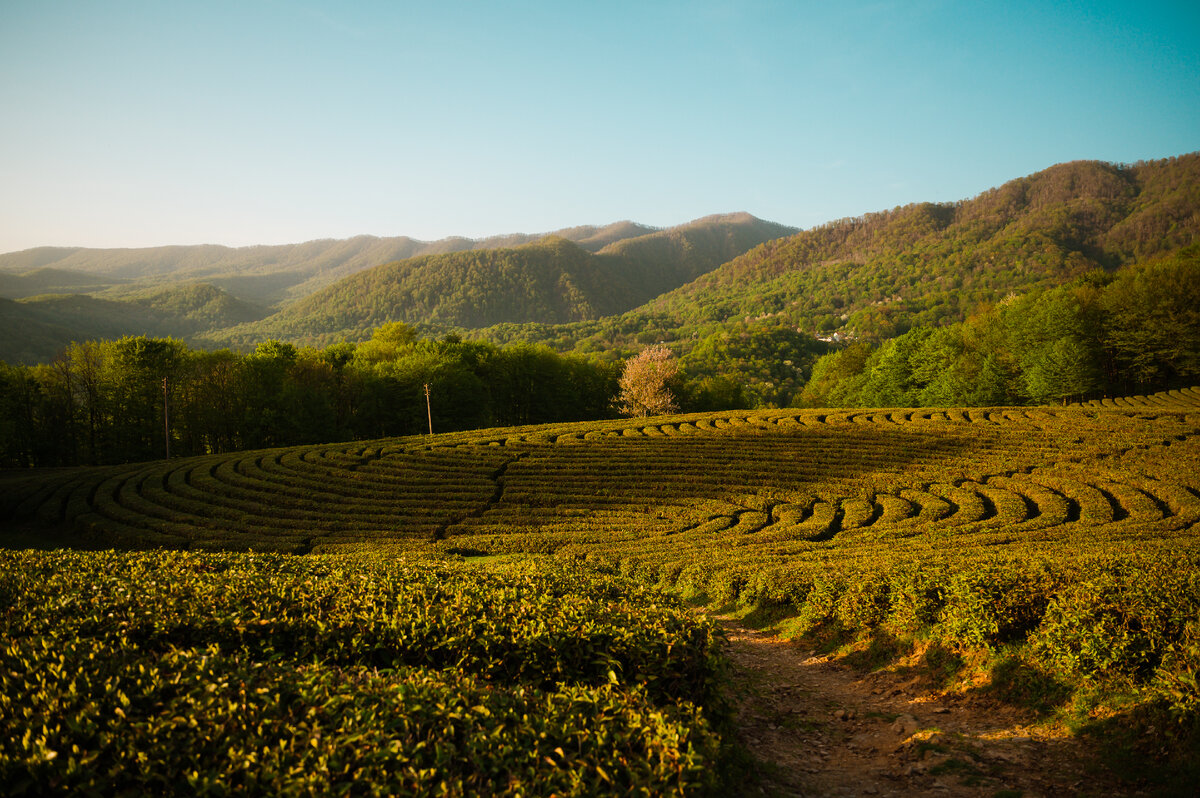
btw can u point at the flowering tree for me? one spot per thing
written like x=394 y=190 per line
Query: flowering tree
x=644 y=383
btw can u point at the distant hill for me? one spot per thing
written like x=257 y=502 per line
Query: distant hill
x=34 y=329
x=666 y=259
x=45 y=280
x=553 y=280
x=192 y=307
x=926 y=263
x=581 y=273
x=260 y=274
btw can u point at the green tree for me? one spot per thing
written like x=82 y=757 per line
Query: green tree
x=893 y=377
x=211 y=403
x=753 y=365
x=715 y=392
x=1152 y=322
x=389 y=342
x=18 y=399
x=1056 y=337
x=87 y=363
x=1061 y=370
x=837 y=378
x=967 y=364
x=528 y=385
x=270 y=420
x=137 y=366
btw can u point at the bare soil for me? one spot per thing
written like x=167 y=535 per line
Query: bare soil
x=819 y=727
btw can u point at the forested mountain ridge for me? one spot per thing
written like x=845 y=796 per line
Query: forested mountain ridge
x=879 y=274
x=663 y=260
x=1071 y=284
x=267 y=274
x=608 y=269
x=36 y=328
x=610 y=289
x=47 y=280
x=553 y=278
x=551 y=281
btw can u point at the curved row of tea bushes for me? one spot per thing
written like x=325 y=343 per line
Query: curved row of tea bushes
x=816 y=475
x=1179 y=399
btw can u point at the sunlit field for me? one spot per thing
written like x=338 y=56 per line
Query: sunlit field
x=1065 y=534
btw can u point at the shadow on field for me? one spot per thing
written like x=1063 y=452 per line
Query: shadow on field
x=27 y=536
x=1151 y=748
x=602 y=487
x=683 y=469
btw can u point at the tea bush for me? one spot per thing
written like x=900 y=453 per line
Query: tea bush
x=127 y=673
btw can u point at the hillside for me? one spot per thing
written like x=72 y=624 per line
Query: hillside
x=580 y=273
x=200 y=304
x=259 y=274
x=34 y=329
x=660 y=261
x=552 y=281
x=925 y=263
x=48 y=280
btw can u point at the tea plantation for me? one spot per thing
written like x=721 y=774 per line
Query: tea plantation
x=269 y=674
x=400 y=655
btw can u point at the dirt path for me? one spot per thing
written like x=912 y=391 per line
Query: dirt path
x=821 y=728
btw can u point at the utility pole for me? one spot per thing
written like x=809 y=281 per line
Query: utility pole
x=166 y=420
x=428 y=409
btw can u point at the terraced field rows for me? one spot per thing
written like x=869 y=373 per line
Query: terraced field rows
x=730 y=487
x=1182 y=398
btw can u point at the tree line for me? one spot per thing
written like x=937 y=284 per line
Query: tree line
x=103 y=402
x=128 y=399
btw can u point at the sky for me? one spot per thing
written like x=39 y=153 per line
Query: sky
x=134 y=124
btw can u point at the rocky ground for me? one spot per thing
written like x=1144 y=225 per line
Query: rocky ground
x=822 y=728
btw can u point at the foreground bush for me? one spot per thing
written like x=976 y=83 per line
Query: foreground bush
x=251 y=674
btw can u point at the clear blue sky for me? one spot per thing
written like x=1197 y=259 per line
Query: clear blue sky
x=266 y=121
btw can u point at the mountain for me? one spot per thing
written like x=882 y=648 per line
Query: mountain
x=260 y=274
x=46 y=280
x=871 y=276
x=929 y=263
x=666 y=259
x=583 y=272
x=551 y=281
x=34 y=329
x=191 y=307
